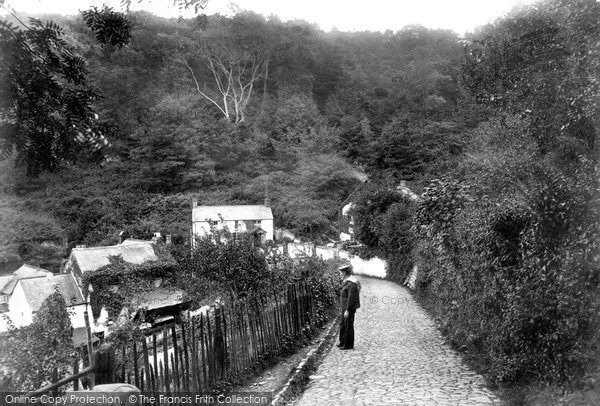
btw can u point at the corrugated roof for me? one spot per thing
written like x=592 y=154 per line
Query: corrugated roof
x=38 y=289
x=228 y=213
x=94 y=258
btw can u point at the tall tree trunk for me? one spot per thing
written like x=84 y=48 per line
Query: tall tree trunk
x=265 y=94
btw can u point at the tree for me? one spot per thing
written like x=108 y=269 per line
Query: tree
x=32 y=353
x=46 y=107
x=236 y=267
x=541 y=62
x=409 y=148
x=170 y=159
x=111 y=27
x=197 y=5
x=235 y=53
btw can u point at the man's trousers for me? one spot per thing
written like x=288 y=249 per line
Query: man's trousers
x=347 y=331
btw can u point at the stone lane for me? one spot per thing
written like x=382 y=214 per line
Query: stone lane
x=399 y=358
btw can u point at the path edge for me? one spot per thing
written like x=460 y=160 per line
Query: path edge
x=299 y=372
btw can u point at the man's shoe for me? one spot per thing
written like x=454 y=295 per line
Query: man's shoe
x=346 y=348
x=339 y=345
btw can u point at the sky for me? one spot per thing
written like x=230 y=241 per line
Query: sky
x=460 y=16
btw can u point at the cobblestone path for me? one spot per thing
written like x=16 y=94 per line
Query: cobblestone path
x=399 y=358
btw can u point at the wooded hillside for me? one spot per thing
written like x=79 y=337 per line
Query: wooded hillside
x=228 y=110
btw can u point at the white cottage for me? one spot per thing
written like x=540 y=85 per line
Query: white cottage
x=8 y=283
x=29 y=295
x=254 y=219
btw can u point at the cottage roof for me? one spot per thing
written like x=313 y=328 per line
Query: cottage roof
x=228 y=213
x=94 y=258
x=4 y=281
x=38 y=289
x=130 y=241
x=8 y=282
x=30 y=271
x=158 y=298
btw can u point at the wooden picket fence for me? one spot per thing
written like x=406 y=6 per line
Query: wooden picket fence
x=219 y=345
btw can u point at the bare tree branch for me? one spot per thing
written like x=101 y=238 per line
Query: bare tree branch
x=201 y=92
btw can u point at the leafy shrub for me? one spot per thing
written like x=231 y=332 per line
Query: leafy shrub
x=31 y=354
x=383 y=219
x=515 y=278
x=323 y=279
x=131 y=280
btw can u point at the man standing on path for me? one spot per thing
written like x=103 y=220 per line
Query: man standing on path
x=350 y=301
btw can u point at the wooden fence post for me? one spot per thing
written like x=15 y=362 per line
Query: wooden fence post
x=104 y=363
x=219 y=344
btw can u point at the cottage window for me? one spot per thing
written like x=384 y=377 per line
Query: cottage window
x=213 y=222
x=3 y=299
x=257 y=223
x=237 y=225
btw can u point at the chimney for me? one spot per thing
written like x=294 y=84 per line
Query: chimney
x=155 y=238
x=169 y=239
x=402 y=183
x=80 y=246
x=267 y=201
x=194 y=203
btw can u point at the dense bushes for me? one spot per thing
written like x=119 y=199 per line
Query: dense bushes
x=231 y=270
x=324 y=281
x=30 y=355
x=508 y=245
x=515 y=277
x=383 y=217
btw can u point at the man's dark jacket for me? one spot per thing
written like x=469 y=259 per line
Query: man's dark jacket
x=350 y=294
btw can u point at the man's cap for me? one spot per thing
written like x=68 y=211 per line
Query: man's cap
x=344 y=268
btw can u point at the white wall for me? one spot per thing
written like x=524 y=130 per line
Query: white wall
x=202 y=228
x=296 y=250
x=101 y=323
x=325 y=253
x=373 y=267
x=77 y=314
x=21 y=315
x=18 y=308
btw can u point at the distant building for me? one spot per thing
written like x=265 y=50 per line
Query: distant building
x=254 y=219
x=29 y=295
